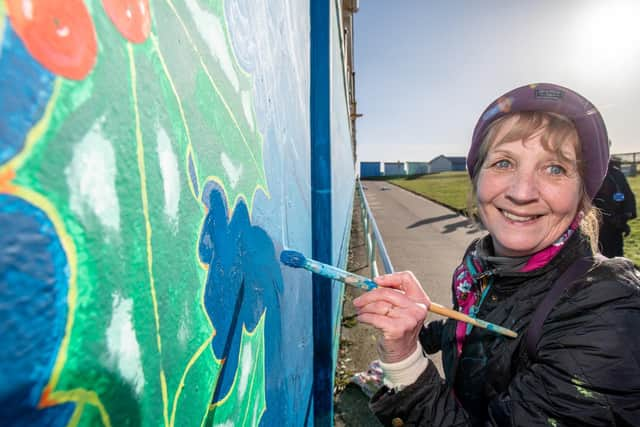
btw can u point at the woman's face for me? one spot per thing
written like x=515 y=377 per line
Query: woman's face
x=527 y=196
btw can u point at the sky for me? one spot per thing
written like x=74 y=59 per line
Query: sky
x=426 y=69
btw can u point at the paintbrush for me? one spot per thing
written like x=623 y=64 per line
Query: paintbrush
x=298 y=260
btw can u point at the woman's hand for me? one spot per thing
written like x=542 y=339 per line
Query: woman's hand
x=398 y=308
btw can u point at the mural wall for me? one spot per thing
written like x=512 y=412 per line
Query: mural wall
x=154 y=161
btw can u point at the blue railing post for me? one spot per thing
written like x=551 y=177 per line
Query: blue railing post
x=320 y=111
x=370 y=227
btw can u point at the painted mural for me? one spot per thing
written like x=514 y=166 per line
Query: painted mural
x=154 y=161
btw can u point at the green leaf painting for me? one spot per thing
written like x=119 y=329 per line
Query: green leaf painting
x=117 y=161
x=247 y=407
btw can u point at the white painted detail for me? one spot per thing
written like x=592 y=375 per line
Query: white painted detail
x=27 y=9
x=245 y=369
x=170 y=176
x=91 y=177
x=122 y=344
x=183 y=330
x=63 y=31
x=212 y=32
x=232 y=171
x=246 y=107
x=182 y=333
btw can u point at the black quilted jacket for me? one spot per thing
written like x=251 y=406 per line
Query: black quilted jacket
x=586 y=371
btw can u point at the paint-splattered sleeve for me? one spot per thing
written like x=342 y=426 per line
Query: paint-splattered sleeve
x=586 y=372
x=427 y=402
x=587 y=369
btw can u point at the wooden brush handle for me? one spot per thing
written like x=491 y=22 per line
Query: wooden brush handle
x=451 y=313
x=448 y=312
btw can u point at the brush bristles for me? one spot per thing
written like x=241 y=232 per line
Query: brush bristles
x=293 y=259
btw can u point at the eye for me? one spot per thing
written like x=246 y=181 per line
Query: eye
x=556 y=170
x=502 y=164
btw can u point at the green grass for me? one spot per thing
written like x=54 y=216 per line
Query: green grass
x=632 y=243
x=448 y=188
x=451 y=189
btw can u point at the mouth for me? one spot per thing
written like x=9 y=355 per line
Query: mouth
x=518 y=218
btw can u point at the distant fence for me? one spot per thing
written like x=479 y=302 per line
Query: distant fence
x=628 y=162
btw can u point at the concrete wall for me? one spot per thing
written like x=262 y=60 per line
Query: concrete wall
x=154 y=161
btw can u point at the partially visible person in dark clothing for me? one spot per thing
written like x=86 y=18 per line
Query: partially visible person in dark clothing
x=617 y=206
x=538 y=156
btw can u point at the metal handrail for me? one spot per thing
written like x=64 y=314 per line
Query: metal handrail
x=370 y=227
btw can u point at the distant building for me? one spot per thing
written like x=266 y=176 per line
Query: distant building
x=444 y=163
x=417 y=168
x=369 y=169
x=394 y=168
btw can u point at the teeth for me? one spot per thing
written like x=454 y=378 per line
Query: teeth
x=513 y=217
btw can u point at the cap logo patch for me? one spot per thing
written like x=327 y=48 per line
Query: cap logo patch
x=551 y=94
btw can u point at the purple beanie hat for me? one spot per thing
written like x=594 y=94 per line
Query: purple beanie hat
x=553 y=99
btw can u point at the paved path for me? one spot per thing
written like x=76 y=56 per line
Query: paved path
x=420 y=236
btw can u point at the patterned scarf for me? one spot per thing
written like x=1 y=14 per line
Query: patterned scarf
x=473 y=278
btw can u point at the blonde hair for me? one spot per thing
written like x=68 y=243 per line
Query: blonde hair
x=554 y=130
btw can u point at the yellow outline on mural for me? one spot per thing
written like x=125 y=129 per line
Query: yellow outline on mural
x=207 y=343
x=49 y=396
x=82 y=397
x=36 y=131
x=231 y=206
x=70 y=251
x=192 y=361
x=145 y=210
x=3 y=13
x=245 y=332
x=156 y=48
x=213 y=84
x=188 y=169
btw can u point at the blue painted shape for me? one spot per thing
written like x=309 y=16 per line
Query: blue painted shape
x=25 y=89
x=34 y=281
x=321 y=209
x=193 y=176
x=243 y=281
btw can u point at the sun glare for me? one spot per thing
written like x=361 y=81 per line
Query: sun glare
x=610 y=32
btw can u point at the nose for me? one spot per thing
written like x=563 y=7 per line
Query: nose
x=523 y=188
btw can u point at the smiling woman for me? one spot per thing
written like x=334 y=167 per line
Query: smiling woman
x=537 y=158
x=527 y=194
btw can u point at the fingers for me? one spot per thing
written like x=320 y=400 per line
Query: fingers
x=392 y=296
x=403 y=281
x=386 y=309
x=389 y=296
x=397 y=324
x=400 y=280
x=392 y=320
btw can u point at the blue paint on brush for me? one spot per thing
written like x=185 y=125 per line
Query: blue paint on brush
x=297 y=260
